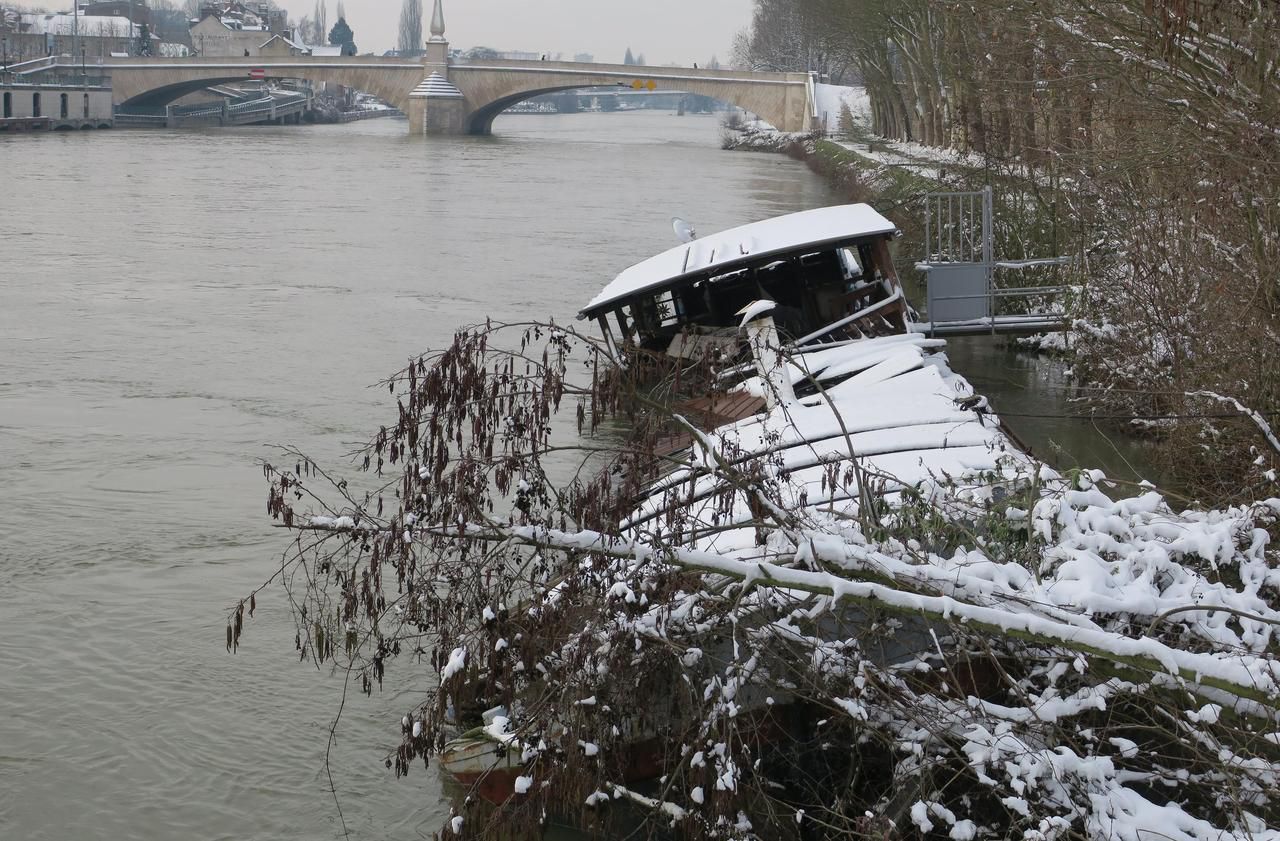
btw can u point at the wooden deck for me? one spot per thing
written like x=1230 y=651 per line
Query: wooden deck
x=708 y=413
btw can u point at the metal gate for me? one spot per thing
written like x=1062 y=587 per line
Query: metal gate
x=961 y=295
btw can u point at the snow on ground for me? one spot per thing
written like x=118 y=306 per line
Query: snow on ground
x=831 y=98
x=929 y=160
x=912 y=423
x=1201 y=584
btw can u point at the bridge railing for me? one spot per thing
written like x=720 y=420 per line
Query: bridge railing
x=140 y=111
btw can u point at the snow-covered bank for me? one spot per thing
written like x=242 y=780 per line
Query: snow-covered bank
x=1016 y=652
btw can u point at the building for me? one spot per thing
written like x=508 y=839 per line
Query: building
x=136 y=11
x=279 y=45
x=234 y=29
x=30 y=36
x=55 y=104
x=212 y=36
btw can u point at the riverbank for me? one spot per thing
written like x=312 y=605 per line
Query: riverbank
x=1150 y=356
x=1029 y=381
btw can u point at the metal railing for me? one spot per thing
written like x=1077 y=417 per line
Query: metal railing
x=958 y=227
x=961 y=292
x=267 y=107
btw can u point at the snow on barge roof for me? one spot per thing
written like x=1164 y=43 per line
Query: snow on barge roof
x=726 y=250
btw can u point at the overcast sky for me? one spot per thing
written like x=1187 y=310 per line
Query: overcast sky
x=682 y=31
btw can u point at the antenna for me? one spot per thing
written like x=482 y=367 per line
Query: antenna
x=683 y=230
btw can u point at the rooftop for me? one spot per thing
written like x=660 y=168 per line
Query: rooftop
x=741 y=246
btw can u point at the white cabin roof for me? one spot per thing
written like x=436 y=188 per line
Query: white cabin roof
x=720 y=252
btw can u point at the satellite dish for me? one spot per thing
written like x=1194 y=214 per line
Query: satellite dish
x=683 y=230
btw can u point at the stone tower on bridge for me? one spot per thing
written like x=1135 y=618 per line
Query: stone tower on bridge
x=436 y=106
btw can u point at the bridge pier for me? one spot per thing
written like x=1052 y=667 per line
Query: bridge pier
x=436 y=106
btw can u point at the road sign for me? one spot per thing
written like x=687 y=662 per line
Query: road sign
x=651 y=85
x=637 y=85
x=258 y=73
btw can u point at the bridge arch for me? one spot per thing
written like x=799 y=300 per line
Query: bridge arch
x=481 y=119
x=490 y=87
x=157 y=82
x=166 y=94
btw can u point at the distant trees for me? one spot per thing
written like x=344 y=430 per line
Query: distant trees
x=305 y=30
x=799 y=36
x=410 y=42
x=143 y=47
x=342 y=36
x=170 y=22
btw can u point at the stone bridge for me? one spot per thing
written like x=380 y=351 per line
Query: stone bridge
x=451 y=96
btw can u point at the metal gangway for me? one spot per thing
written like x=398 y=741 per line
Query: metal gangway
x=225 y=113
x=962 y=294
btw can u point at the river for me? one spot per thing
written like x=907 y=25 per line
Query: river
x=174 y=301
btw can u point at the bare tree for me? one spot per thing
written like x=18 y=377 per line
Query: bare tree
x=321 y=22
x=815 y=35
x=411 y=27
x=940 y=660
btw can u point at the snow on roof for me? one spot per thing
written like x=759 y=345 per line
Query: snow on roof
x=292 y=44
x=87 y=25
x=821 y=227
x=327 y=50
x=436 y=86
